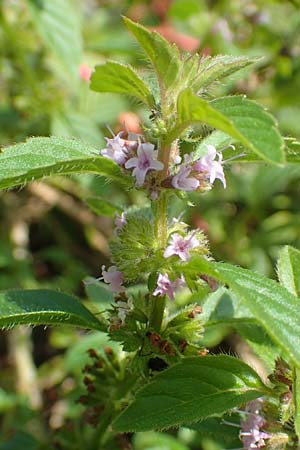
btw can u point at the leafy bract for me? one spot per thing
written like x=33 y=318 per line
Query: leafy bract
x=215 y=68
x=120 y=79
x=59 y=26
x=164 y=56
x=243 y=119
x=45 y=307
x=273 y=306
x=191 y=390
x=42 y=156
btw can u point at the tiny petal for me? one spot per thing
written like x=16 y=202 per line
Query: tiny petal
x=146 y=160
x=114 y=278
x=120 y=221
x=208 y=164
x=182 y=180
x=167 y=287
x=181 y=246
x=115 y=149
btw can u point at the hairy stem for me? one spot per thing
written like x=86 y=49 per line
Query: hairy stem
x=157 y=313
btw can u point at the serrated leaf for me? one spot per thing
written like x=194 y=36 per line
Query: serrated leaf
x=41 y=306
x=191 y=390
x=273 y=306
x=43 y=156
x=120 y=79
x=59 y=26
x=288 y=269
x=218 y=67
x=164 y=56
x=243 y=119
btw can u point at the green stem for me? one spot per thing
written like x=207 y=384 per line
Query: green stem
x=157 y=313
x=161 y=220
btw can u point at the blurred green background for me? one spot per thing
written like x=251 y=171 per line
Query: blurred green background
x=51 y=238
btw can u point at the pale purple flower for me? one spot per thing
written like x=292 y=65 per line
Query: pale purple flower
x=120 y=221
x=182 y=180
x=251 y=435
x=208 y=164
x=146 y=160
x=167 y=287
x=115 y=149
x=114 y=278
x=181 y=246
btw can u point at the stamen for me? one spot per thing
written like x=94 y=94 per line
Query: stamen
x=234 y=157
x=231 y=424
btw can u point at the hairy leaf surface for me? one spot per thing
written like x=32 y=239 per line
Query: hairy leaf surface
x=45 y=307
x=43 y=156
x=164 y=56
x=120 y=79
x=191 y=390
x=243 y=119
x=273 y=306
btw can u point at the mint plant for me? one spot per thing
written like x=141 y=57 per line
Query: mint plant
x=165 y=377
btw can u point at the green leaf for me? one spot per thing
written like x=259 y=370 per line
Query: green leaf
x=223 y=307
x=218 y=67
x=120 y=79
x=45 y=307
x=273 y=306
x=58 y=24
x=191 y=390
x=164 y=56
x=292 y=149
x=288 y=269
x=217 y=430
x=243 y=119
x=102 y=207
x=43 y=156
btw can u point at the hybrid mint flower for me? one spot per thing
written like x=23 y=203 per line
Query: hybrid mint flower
x=146 y=160
x=251 y=435
x=208 y=164
x=167 y=287
x=181 y=246
x=114 y=278
x=115 y=149
x=182 y=180
x=120 y=221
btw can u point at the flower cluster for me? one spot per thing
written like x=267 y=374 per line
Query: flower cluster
x=191 y=173
x=252 y=435
x=141 y=157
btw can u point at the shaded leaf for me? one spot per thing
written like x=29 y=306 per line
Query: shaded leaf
x=43 y=156
x=45 y=307
x=120 y=79
x=191 y=390
x=273 y=306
